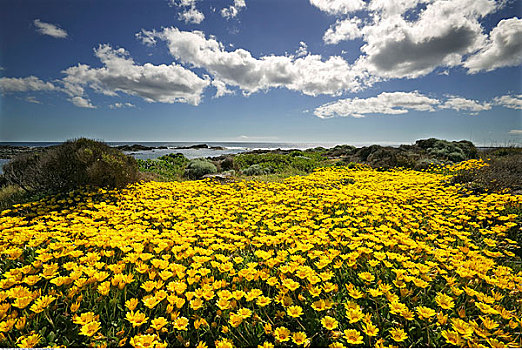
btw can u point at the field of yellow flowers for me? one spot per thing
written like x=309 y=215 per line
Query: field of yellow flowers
x=341 y=258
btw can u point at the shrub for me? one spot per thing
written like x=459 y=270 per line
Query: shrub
x=502 y=173
x=169 y=167
x=256 y=169
x=73 y=164
x=197 y=168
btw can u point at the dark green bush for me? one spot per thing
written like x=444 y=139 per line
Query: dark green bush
x=197 y=168
x=73 y=164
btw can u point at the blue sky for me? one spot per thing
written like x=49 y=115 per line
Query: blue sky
x=342 y=71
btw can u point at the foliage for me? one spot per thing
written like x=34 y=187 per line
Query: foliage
x=278 y=163
x=168 y=167
x=341 y=257
x=197 y=168
x=451 y=150
x=73 y=164
x=504 y=172
x=256 y=169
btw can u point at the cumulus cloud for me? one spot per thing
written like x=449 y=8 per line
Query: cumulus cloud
x=463 y=104
x=338 y=7
x=233 y=10
x=504 y=48
x=309 y=74
x=154 y=83
x=385 y=103
x=509 y=101
x=411 y=38
x=81 y=102
x=49 y=29
x=441 y=35
x=26 y=84
x=188 y=11
x=347 y=29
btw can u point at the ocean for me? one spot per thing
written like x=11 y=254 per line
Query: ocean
x=229 y=148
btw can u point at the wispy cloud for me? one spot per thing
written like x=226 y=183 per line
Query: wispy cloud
x=49 y=29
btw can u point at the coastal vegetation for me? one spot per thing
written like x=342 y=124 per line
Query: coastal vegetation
x=341 y=257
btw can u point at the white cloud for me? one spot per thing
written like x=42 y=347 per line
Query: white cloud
x=384 y=103
x=32 y=99
x=515 y=132
x=310 y=74
x=49 y=29
x=443 y=33
x=154 y=83
x=30 y=83
x=397 y=103
x=121 y=105
x=509 y=101
x=338 y=7
x=463 y=104
x=191 y=15
x=347 y=29
x=504 y=48
x=233 y=10
x=188 y=11
x=79 y=101
x=221 y=89
x=411 y=38
x=302 y=50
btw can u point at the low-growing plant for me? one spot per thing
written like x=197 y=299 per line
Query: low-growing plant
x=169 y=167
x=256 y=169
x=197 y=168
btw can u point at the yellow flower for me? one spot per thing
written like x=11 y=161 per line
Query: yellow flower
x=42 y=302
x=29 y=341
x=353 y=336
x=235 y=320
x=224 y=343
x=425 y=312
x=158 y=323
x=263 y=301
x=84 y=318
x=181 y=323
x=398 y=334
x=294 y=311
x=196 y=303
x=266 y=345
x=136 y=318
x=452 y=337
x=329 y=323
x=244 y=313
x=282 y=334
x=131 y=304
x=202 y=345
x=444 y=301
x=299 y=338
x=366 y=277
x=462 y=327
x=370 y=329
x=144 y=341
x=90 y=328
